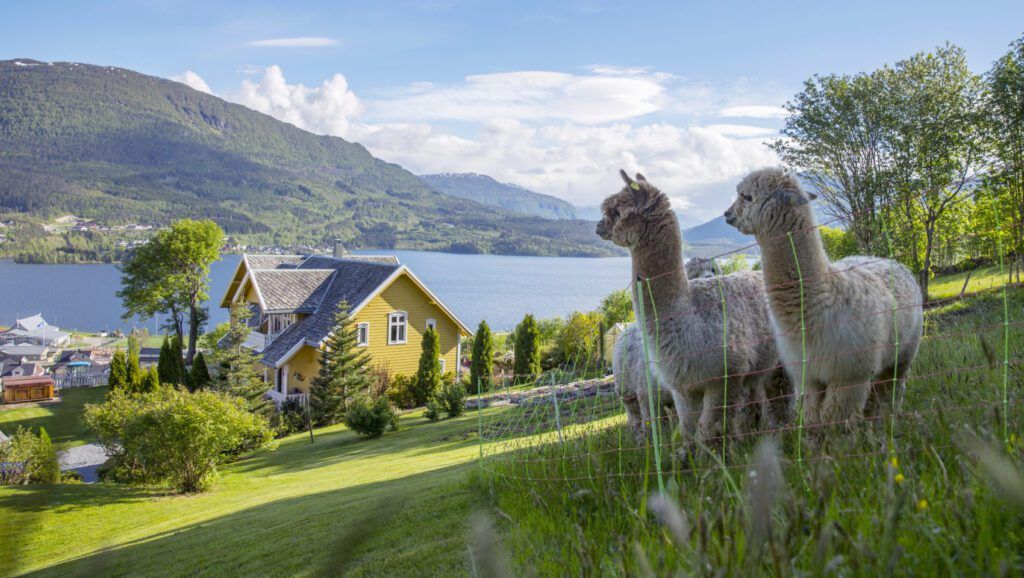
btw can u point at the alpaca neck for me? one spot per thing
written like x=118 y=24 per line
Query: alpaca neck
x=797 y=255
x=658 y=260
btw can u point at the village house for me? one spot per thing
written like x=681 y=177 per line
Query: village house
x=294 y=298
x=34 y=330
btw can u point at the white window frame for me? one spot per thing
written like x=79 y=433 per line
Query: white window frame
x=441 y=361
x=360 y=341
x=398 y=320
x=432 y=324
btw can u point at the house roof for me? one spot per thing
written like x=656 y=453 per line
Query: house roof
x=352 y=281
x=27 y=369
x=28 y=380
x=297 y=290
x=315 y=284
x=36 y=326
x=23 y=349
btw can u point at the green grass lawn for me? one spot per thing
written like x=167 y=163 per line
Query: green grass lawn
x=578 y=506
x=394 y=506
x=950 y=285
x=62 y=419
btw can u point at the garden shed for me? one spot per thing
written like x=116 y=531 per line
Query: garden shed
x=28 y=388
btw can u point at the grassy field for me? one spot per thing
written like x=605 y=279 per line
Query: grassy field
x=983 y=279
x=61 y=419
x=578 y=507
x=395 y=506
x=399 y=505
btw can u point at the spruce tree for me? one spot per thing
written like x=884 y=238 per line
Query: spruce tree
x=149 y=381
x=43 y=462
x=526 y=366
x=133 y=372
x=481 y=366
x=343 y=372
x=165 y=366
x=118 y=377
x=199 y=378
x=180 y=371
x=238 y=375
x=428 y=376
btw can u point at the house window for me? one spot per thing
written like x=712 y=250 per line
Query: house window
x=363 y=334
x=397 y=322
x=432 y=324
x=442 y=366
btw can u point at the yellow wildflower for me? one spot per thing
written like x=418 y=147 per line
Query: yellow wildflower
x=922 y=504
x=895 y=463
x=899 y=478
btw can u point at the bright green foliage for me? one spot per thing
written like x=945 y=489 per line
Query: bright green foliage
x=199 y=378
x=370 y=418
x=149 y=381
x=170 y=274
x=547 y=330
x=133 y=369
x=343 y=371
x=1004 y=105
x=118 y=376
x=173 y=437
x=44 y=468
x=578 y=341
x=527 y=350
x=428 y=376
x=481 y=365
x=450 y=400
x=734 y=264
x=237 y=373
x=617 y=308
x=838 y=243
x=400 y=391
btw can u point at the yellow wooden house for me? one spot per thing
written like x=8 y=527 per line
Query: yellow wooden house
x=293 y=299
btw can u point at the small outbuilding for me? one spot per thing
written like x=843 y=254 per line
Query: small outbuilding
x=28 y=388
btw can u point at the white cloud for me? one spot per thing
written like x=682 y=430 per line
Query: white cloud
x=294 y=42
x=192 y=80
x=326 y=109
x=528 y=95
x=556 y=133
x=754 y=111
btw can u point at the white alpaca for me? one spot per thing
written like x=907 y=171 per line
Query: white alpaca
x=684 y=325
x=854 y=310
x=630 y=371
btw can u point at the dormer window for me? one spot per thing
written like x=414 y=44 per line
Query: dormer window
x=397 y=325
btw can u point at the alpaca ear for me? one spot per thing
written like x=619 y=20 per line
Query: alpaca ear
x=790 y=197
x=812 y=196
x=640 y=177
x=625 y=178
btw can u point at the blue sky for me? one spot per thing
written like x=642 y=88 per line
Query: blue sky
x=554 y=96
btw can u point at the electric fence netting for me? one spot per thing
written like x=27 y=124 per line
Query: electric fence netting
x=572 y=428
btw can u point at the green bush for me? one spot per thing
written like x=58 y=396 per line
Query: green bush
x=370 y=418
x=449 y=400
x=290 y=418
x=838 y=243
x=428 y=376
x=173 y=437
x=400 y=392
x=28 y=459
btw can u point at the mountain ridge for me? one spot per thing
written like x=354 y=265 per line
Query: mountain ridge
x=489 y=191
x=118 y=146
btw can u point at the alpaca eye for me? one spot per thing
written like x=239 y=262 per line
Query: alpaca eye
x=747 y=197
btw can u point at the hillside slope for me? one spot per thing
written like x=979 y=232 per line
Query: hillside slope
x=117 y=146
x=487 y=191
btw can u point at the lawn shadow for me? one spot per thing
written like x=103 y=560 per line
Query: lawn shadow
x=395 y=527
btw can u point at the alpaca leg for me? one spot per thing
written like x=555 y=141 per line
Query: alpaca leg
x=812 y=401
x=781 y=399
x=688 y=411
x=710 y=424
x=844 y=402
x=671 y=403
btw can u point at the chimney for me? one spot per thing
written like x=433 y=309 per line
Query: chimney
x=339 y=249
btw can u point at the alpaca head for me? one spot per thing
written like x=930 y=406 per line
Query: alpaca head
x=701 y=268
x=765 y=202
x=630 y=215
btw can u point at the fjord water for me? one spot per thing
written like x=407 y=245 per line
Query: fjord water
x=500 y=289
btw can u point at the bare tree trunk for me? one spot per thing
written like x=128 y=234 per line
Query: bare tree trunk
x=193 y=332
